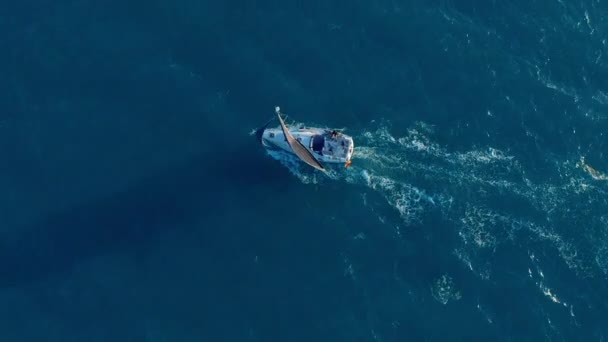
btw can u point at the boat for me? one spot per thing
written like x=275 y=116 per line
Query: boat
x=314 y=146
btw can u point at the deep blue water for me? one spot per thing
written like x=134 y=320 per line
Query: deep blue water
x=136 y=206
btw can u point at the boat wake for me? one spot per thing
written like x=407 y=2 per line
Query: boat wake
x=414 y=174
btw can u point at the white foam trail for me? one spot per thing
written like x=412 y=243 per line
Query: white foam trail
x=444 y=290
x=414 y=173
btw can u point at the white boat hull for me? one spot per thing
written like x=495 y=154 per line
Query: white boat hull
x=324 y=146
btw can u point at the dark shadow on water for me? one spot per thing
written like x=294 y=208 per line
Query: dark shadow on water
x=167 y=200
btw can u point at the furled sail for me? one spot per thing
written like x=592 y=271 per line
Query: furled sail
x=297 y=147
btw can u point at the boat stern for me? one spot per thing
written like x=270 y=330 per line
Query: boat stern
x=350 y=148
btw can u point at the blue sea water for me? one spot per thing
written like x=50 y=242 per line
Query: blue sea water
x=137 y=207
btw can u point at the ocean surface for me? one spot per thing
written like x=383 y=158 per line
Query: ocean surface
x=136 y=206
